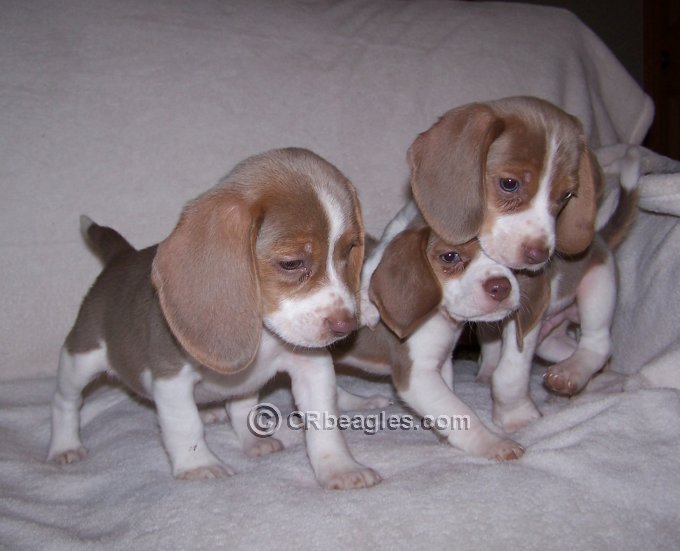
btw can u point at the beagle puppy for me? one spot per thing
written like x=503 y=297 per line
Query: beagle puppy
x=242 y=288
x=570 y=290
x=521 y=177
x=425 y=289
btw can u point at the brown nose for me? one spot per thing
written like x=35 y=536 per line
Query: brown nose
x=535 y=255
x=498 y=288
x=341 y=325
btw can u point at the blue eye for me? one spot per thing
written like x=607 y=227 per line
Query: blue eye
x=451 y=257
x=509 y=185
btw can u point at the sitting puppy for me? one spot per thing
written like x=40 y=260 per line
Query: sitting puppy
x=518 y=172
x=242 y=288
x=425 y=289
x=579 y=289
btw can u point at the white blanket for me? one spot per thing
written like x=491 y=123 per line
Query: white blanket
x=124 y=110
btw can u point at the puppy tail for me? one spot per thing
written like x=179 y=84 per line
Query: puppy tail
x=617 y=227
x=105 y=242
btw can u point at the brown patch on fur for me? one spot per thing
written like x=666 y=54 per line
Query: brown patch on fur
x=403 y=286
x=535 y=298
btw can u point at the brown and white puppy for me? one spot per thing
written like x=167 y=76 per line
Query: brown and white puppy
x=242 y=288
x=580 y=289
x=516 y=173
x=425 y=289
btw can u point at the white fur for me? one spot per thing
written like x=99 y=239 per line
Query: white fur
x=302 y=321
x=510 y=232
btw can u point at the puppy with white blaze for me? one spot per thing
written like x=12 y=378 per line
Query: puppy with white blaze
x=419 y=291
x=243 y=287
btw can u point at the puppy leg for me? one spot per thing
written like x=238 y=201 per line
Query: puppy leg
x=512 y=406
x=558 y=345
x=313 y=381
x=253 y=445
x=596 y=299
x=353 y=402
x=182 y=429
x=428 y=394
x=75 y=372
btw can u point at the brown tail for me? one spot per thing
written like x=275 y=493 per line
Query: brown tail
x=105 y=242
x=616 y=229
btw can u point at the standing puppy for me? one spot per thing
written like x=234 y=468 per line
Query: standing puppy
x=242 y=288
x=425 y=290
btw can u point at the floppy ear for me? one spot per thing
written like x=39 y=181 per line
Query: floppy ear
x=358 y=252
x=207 y=282
x=575 y=225
x=403 y=286
x=535 y=297
x=448 y=167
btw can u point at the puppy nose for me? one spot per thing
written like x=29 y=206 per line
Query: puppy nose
x=536 y=255
x=498 y=288
x=342 y=325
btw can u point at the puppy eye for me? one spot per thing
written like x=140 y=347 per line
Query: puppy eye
x=568 y=195
x=291 y=265
x=509 y=185
x=451 y=257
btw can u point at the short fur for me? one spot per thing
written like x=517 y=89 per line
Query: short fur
x=425 y=290
x=516 y=173
x=242 y=288
x=579 y=289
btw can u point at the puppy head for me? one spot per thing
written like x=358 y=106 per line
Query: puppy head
x=521 y=173
x=278 y=242
x=420 y=271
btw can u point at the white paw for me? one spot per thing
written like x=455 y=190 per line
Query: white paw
x=517 y=416
x=213 y=415
x=358 y=477
x=68 y=456
x=504 y=450
x=263 y=446
x=208 y=472
x=570 y=377
x=369 y=315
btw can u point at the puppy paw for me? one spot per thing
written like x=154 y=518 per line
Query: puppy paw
x=207 y=472
x=562 y=379
x=213 y=415
x=505 y=450
x=263 y=446
x=359 y=477
x=369 y=315
x=515 y=417
x=69 y=456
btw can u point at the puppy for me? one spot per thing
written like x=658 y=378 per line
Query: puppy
x=580 y=290
x=518 y=172
x=425 y=290
x=242 y=288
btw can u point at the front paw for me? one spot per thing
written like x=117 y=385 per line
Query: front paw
x=350 y=479
x=69 y=456
x=505 y=450
x=516 y=416
x=564 y=379
x=208 y=472
x=369 y=315
x=263 y=446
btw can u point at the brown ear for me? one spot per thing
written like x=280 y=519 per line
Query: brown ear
x=448 y=167
x=535 y=297
x=207 y=283
x=575 y=225
x=403 y=286
x=358 y=252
